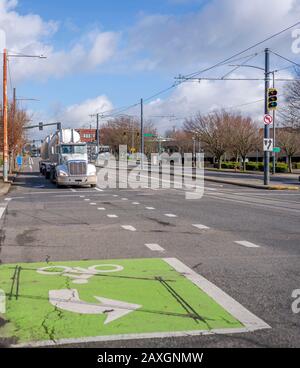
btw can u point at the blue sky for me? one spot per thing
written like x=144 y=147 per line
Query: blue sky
x=105 y=54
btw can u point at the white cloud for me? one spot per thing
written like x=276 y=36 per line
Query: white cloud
x=30 y=34
x=218 y=29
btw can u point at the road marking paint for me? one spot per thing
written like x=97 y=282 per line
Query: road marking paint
x=87 y=199
x=124 y=199
x=81 y=196
x=128 y=227
x=2 y=210
x=247 y=244
x=101 y=208
x=150 y=208
x=73 y=190
x=201 y=227
x=135 y=203
x=112 y=216
x=170 y=215
x=8 y=199
x=93 y=204
x=115 y=195
x=99 y=190
x=245 y=320
x=155 y=247
x=248 y=319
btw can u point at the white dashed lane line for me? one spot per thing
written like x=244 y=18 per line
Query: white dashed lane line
x=87 y=199
x=247 y=244
x=8 y=199
x=150 y=208
x=112 y=216
x=124 y=199
x=201 y=227
x=128 y=227
x=101 y=208
x=136 y=203
x=99 y=190
x=170 y=215
x=155 y=247
x=2 y=210
x=93 y=204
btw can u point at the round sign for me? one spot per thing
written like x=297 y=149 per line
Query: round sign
x=268 y=119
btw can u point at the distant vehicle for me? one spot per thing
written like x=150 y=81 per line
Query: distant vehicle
x=65 y=160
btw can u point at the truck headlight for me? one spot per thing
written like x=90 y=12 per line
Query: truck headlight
x=62 y=173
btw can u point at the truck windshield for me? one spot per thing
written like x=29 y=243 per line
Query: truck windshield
x=70 y=149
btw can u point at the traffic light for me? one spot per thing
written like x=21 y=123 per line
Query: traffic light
x=272 y=98
x=41 y=126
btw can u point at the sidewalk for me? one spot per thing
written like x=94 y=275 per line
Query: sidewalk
x=5 y=187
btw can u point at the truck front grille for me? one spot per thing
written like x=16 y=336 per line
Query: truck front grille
x=77 y=168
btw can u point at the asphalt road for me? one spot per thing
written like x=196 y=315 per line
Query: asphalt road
x=43 y=223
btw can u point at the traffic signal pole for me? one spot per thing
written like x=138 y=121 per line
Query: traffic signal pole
x=142 y=134
x=267 y=129
x=274 y=134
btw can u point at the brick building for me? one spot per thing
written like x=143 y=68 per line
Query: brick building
x=87 y=135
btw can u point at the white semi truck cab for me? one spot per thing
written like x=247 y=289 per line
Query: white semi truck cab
x=65 y=160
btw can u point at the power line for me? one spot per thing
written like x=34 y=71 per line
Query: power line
x=243 y=51
x=285 y=58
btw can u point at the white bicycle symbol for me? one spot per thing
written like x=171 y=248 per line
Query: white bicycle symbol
x=79 y=274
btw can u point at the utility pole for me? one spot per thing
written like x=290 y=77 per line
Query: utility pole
x=274 y=136
x=14 y=107
x=5 y=139
x=98 y=137
x=142 y=133
x=267 y=129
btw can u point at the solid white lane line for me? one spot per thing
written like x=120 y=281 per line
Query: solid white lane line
x=155 y=247
x=201 y=227
x=248 y=319
x=112 y=216
x=150 y=208
x=2 y=210
x=128 y=227
x=247 y=244
x=99 y=190
x=170 y=215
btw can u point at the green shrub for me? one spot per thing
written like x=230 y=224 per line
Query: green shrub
x=297 y=165
x=251 y=166
x=281 y=167
x=230 y=165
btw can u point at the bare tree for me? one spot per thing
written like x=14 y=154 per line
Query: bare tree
x=243 y=137
x=212 y=131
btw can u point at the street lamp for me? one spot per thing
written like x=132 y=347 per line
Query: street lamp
x=5 y=131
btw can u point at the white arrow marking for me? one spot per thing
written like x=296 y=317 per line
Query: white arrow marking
x=68 y=299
